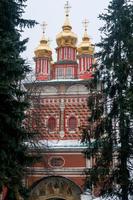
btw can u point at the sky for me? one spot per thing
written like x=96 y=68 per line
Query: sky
x=53 y=13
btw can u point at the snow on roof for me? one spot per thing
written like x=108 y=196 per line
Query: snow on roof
x=61 y=80
x=61 y=144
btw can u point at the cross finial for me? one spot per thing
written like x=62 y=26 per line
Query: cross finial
x=43 y=25
x=85 y=24
x=67 y=8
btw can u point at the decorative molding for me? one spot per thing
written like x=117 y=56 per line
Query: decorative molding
x=58 y=164
x=55 y=187
x=48 y=90
x=77 y=89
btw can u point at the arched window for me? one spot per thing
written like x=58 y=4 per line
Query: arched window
x=51 y=124
x=72 y=124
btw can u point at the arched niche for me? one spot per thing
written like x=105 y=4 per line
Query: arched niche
x=55 y=188
x=48 y=90
x=77 y=89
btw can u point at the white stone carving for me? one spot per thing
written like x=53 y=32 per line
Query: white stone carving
x=47 y=90
x=77 y=89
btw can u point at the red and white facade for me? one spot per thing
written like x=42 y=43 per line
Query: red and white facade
x=66 y=53
x=60 y=112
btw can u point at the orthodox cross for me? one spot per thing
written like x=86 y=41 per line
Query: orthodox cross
x=43 y=25
x=85 y=24
x=67 y=8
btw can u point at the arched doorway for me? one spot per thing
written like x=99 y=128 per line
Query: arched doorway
x=55 y=199
x=55 y=188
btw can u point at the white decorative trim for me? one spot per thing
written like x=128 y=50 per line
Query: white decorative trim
x=65 y=153
x=39 y=175
x=77 y=89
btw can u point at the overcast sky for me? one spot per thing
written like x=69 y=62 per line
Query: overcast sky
x=52 y=11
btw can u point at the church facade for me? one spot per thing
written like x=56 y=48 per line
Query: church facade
x=59 y=113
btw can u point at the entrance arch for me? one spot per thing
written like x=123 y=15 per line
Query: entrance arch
x=56 y=199
x=55 y=188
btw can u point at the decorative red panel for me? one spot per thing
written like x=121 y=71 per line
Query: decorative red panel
x=51 y=124
x=72 y=125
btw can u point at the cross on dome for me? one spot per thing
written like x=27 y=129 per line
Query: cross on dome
x=43 y=25
x=67 y=8
x=85 y=24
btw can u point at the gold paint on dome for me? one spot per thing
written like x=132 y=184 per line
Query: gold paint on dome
x=66 y=37
x=86 y=47
x=43 y=49
x=66 y=25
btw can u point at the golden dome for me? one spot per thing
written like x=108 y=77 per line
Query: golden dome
x=43 y=49
x=86 y=47
x=66 y=37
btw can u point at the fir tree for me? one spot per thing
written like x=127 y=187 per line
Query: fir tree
x=13 y=149
x=111 y=120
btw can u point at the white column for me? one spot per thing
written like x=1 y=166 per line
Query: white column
x=62 y=108
x=81 y=64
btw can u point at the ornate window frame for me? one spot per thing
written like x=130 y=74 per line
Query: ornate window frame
x=72 y=130
x=48 y=123
x=56 y=157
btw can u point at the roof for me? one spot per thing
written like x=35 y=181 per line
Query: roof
x=58 y=145
x=62 y=143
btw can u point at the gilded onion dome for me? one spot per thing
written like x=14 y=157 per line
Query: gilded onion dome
x=43 y=49
x=66 y=37
x=86 y=47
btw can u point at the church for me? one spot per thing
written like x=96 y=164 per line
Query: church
x=59 y=113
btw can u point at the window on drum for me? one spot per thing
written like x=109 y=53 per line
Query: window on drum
x=60 y=73
x=69 y=72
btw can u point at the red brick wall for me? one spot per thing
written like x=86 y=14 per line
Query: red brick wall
x=50 y=107
x=72 y=160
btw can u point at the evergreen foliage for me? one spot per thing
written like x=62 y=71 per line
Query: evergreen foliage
x=111 y=120
x=13 y=149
